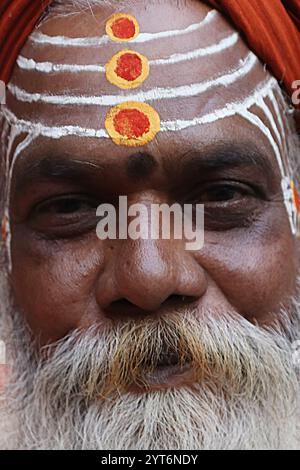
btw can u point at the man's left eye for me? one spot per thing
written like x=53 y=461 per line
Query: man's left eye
x=224 y=193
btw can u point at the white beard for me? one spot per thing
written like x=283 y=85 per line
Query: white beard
x=247 y=399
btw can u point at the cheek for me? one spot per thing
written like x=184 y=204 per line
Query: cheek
x=252 y=269
x=55 y=288
x=255 y=272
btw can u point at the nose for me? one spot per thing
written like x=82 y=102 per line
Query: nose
x=145 y=276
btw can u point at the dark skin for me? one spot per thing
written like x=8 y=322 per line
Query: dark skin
x=64 y=277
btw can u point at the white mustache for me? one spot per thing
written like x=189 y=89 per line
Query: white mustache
x=247 y=395
x=95 y=363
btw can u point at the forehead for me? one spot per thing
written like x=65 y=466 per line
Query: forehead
x=198 y=65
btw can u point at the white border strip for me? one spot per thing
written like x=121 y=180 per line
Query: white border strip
x=40 y=38
x=50 y=67
x=184 y=91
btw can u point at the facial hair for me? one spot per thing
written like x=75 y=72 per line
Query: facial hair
x=76 y=393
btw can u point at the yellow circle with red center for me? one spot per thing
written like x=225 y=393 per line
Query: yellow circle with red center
x=122 y=27
x=132 y=123
x=127 y=69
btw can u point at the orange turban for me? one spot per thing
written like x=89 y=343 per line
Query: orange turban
x=272 y=30
x=270 y=27
x=17 y=20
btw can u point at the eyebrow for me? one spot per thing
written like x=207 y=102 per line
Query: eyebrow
x=50 y=167
x=215 y=158
x=227 y=155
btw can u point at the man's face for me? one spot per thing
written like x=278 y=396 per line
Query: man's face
x=249 y=260
x=159 y=304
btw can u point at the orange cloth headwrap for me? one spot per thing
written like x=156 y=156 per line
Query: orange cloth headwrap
x=17 y=20
x=271 y=28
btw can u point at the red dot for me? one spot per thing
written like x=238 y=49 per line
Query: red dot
x=129 y=66
x=131 y=123
x=123 y=28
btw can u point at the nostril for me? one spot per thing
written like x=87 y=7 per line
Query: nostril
x=124 y=309
x=179 y=300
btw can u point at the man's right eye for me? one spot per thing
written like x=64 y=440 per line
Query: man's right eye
x=65 y=216
x=65 y=205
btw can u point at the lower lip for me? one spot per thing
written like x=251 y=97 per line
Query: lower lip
x=169 y=377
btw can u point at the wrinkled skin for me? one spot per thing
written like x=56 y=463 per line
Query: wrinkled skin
x=64 y=277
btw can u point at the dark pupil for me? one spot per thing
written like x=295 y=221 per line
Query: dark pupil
x=67 y=206
x=222 y=194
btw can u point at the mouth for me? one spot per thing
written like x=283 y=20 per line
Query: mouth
x=169 y=373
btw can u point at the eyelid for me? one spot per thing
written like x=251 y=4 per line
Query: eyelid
x=242 y=187
x=57 y=225
x=63 y=197
x=246 y=187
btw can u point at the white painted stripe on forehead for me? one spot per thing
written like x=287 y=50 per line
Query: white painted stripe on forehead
x=242 y=109
x=15 y=132
x=278 y=114
x=231 y=109
x=256 y=121
x=184 y=91
x=57 y=132
x=274 y=102
x=265 y=108
x=284 y=170
x=20 y=148
x=53 y=132
x=64 y=41
x=50 y=67
x=224 y=44
x=284 y=127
